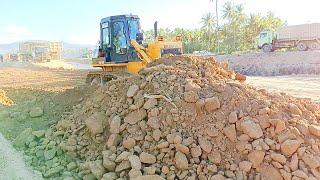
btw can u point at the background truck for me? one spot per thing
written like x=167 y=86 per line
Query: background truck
x=40 y=51
x=303 y=37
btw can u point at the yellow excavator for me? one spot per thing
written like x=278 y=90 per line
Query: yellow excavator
x=121 y=48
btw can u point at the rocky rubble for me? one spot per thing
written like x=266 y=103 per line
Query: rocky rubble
x=184 y=118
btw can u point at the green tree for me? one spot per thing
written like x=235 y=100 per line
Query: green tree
x=237 y=32
x=208 y=25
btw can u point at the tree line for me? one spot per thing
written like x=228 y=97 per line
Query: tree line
x=237 y=31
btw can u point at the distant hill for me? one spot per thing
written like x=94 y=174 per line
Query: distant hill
x=8 y=48
x=67 y=46
x=69 y=50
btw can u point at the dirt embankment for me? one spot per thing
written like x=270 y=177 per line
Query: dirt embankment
x=275 y=63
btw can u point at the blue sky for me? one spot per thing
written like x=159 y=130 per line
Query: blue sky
x=76 y=21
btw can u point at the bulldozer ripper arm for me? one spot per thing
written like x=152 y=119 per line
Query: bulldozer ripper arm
x=141 y=52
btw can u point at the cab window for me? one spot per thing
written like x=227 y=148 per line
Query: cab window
x=263 y=35
x=133 y=28
x=119 y=41
x=105 y=35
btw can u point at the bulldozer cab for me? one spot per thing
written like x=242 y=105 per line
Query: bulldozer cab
x=116 y=33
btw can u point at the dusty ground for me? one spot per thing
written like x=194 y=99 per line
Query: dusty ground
x=275 y=63
x=31 y=87
x=12 y=165
x=302 y=86
x=40 y=79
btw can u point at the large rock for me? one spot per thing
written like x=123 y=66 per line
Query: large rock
x=211 y=104
x=289 y=147
x=115 y=125
x=270 y=173
x=294 y=109
x=233 y=118
x=311 y=161
x=133 y=173
x=50 y=154
x=315 y=130
x=205 y=144
x=278 y=157
x=154 y=122
x=181 y=160
x=135 y=162
x=149 y=177
x=95 y=123
x=25 y=137
x=294 y=163
x=191 y=96
x=123 y=156
x=36 y=112
x=133 y=89
x=150 y=103
x=109 y=164
x=231 y=132
x=124 y=165
x=129 y=143
x=97 y=169
x=251 y=128
x=196 y=151
x=218 y=177
x=135 y=116
x=110 y=176
x=191 y=86
x=53 y=171
x=147 y=158
x=256 y=157
x=245 y=166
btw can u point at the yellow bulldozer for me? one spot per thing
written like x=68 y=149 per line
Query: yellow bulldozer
x=121 y=48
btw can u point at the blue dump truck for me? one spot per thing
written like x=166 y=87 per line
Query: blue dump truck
x=302 y=37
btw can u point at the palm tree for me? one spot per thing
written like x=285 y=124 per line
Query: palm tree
x=208 y=23
x=217 y=26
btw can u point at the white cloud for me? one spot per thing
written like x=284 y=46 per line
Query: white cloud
x=11 y=32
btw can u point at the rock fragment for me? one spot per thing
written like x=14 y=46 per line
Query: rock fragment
x=181 y=160
x=252 y=129
x=147 y=158
x=135 y=116
x=212 y=104
x=133 y=89
x=289 y=147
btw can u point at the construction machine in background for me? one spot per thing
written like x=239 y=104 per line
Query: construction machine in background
x=40 y=51
x=121 y=48
x=303 y=37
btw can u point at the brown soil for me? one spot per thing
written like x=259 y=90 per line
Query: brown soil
x=275 y=63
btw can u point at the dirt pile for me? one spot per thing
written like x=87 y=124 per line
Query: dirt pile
x=4 y=99
x=275 y=63
x=183 y=118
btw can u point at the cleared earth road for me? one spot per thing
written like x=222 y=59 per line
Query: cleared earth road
x=302 y=86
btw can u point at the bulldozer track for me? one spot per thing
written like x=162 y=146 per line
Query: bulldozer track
x=103 y=77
